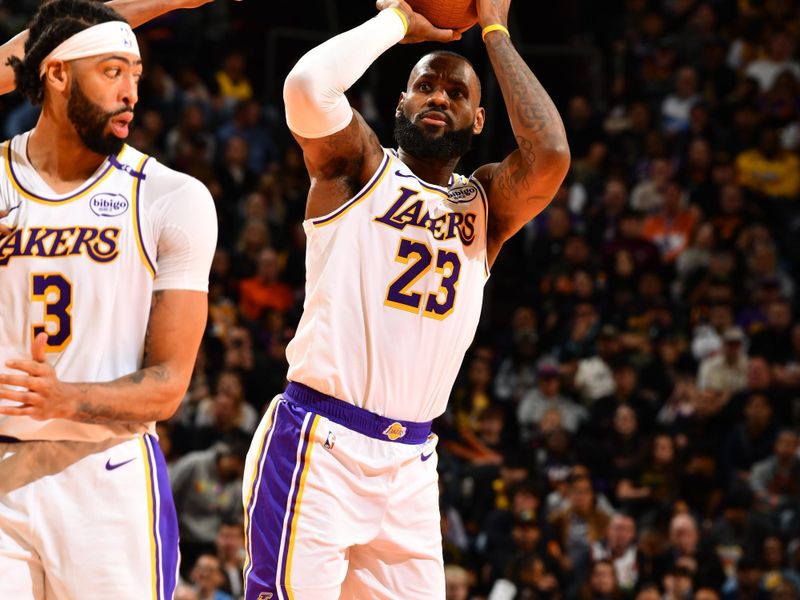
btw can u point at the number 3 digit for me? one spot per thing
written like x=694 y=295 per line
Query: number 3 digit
x=55 y=292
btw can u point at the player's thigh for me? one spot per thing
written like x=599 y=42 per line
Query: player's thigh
x=108 y=527
x=379 y=574
x=405 y=559
x=21 y=573
x=302 y=512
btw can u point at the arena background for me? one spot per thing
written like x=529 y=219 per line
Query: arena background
x=625 y=423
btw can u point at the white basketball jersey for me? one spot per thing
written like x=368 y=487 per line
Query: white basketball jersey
x=79 y=267
x=394 y=291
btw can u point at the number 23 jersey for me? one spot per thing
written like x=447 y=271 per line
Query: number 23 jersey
x=394 y=288
x=82 y=268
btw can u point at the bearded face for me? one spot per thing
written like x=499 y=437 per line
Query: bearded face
x=415 y=140
x=91 y=122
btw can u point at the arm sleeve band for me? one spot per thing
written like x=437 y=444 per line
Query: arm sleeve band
x=314 y=90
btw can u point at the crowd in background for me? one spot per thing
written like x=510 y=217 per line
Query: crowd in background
x=626 y=422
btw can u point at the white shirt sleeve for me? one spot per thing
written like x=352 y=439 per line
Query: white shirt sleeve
x=184 y=223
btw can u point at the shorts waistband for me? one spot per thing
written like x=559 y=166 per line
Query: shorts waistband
x=355 y=418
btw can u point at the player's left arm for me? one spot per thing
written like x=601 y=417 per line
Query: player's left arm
x=521 y=186
x=136 y=12
x=177 y=321
x=184 y=219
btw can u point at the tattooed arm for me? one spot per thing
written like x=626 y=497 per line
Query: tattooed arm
x=136 y=12
x=523 y=184
x=177 y=321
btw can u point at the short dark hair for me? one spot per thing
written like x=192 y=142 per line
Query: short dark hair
x=54 y=22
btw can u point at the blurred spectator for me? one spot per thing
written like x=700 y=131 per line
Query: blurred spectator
x=768 y=170
x=207 y=488
x=780 y=48
x=517 y=372
x=688 y=558
x=547 y=396
x=579 y=525
x=620 y=548
x=233 y=85
x=456 y=581
x=677 y=105
x=231 y=556
x=207 y=578
x=751 y=441
x=746 y=584
x=776 y=480
x=726 y=371
x=264 y=290
x=602 y=583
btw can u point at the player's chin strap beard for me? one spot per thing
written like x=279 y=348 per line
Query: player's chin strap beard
x=449 y=145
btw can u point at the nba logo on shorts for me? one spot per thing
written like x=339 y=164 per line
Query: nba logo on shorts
x=394 y=431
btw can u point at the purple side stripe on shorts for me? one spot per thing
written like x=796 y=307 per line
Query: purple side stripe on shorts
x=297 y=486
x=269 y=503
x=166 y=521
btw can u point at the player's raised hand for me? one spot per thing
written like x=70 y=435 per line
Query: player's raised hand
x=42 y=395
x=419 y=28
x=493 y=12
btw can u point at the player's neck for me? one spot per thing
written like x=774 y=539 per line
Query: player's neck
x=431 y=170
x=59 y=156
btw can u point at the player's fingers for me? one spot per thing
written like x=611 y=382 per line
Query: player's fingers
x=443 y=35
x=38 y=347
x=24 y=397
x=31 y=367
x=21 y=381
x=19 y=411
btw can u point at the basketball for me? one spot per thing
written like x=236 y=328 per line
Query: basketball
x=447 y=14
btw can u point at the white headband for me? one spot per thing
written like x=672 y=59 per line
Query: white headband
x=112 y=36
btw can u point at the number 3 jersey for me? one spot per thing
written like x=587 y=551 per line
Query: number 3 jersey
x=82 y=267
x=394 y=290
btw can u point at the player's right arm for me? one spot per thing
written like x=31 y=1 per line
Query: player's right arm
x=341 y=151
x=136 y=12
x=181 y=212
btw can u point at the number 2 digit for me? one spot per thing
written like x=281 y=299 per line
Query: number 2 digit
x=419 y=257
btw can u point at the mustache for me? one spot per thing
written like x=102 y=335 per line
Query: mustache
x=441 y=113
x=121 y=111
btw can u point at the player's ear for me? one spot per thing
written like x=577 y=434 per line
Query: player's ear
x=480 y=119
x=56 y=75
x=400 y=103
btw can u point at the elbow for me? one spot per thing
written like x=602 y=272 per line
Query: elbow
x=298 y=87
x=558 y=158
x=170 y=399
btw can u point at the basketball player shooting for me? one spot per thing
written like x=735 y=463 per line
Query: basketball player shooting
x=104 y=261
x=340 y=488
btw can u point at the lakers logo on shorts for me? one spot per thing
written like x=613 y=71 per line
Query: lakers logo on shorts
x=394 y=431
x=265 y=596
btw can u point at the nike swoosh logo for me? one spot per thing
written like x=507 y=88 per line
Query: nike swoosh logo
x=110 y=467
x=425 y=457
